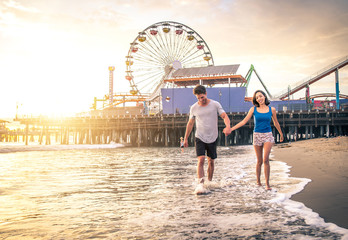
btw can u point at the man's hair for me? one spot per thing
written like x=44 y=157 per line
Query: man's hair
x=267 y=102
x=199 y=89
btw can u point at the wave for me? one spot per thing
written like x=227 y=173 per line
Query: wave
x=12 y=147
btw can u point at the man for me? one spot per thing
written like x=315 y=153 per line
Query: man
x=205 y=113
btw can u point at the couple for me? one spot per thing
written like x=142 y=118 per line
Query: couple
x=204 y=112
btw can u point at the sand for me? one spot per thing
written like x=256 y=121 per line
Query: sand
x=325 y=162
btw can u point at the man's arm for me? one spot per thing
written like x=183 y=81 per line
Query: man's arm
x=227 y=130
x=189 y=127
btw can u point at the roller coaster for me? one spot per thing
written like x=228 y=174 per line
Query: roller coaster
x=325 y=95
x=314 y=78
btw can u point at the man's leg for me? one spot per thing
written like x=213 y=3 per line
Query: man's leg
x=200 y=175
x=200 y=151
x=212 y=155
x=210 y=170
x=200 y=169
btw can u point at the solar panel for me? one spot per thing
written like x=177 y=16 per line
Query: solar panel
x=206 y=71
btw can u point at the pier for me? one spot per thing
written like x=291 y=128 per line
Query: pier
x=166 y=130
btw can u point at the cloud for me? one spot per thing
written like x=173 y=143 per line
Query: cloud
x=286 y=27
x=285 y=40
x=11 y=4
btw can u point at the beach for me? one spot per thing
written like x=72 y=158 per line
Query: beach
x=325 y=162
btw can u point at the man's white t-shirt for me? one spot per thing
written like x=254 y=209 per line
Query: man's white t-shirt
x=206 y=118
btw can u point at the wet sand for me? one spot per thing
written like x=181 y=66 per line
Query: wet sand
x=325 y=162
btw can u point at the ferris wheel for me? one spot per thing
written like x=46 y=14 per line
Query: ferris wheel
x=160 y=49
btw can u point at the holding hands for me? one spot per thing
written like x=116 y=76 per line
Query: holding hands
x=227 y=130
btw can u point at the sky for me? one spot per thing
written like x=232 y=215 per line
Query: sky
x=54 y=55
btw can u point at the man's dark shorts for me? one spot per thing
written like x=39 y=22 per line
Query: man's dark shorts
x=201 y=147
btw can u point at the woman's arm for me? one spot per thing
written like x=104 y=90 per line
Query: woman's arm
x=276 y=123
x=245 y=120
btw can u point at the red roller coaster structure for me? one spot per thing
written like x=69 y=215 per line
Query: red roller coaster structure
x=314 y=78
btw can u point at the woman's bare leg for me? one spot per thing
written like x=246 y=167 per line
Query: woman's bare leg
x=267 y=168
x=258 y=151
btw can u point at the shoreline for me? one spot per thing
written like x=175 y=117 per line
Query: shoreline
x=325 y=162
x=13 y=148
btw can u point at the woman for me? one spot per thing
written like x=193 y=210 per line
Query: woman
x=262 y=137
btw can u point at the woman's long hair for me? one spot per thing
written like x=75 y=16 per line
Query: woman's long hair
x=267 y=102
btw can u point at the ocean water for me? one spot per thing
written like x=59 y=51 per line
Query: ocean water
x=112 y=192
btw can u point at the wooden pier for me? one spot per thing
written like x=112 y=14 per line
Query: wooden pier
x=166 y=130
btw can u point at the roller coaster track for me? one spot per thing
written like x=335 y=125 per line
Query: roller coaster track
x=313 y=78
x=321 y=95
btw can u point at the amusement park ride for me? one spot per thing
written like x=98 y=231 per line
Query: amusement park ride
x=153 y=56
x=172 y=55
